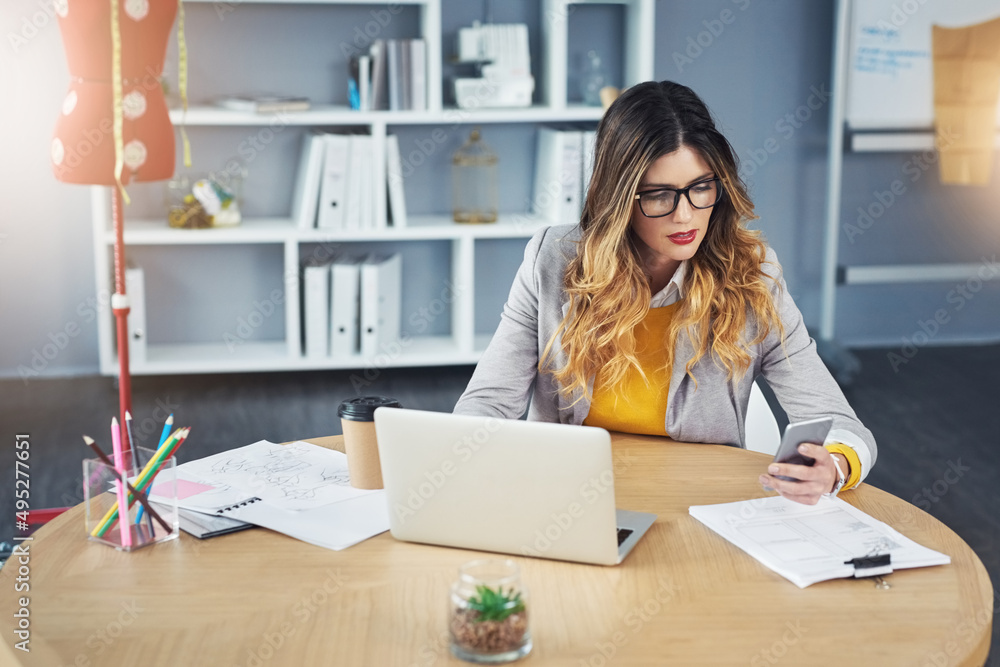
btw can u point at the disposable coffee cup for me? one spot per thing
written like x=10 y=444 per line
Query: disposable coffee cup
x=357 y=417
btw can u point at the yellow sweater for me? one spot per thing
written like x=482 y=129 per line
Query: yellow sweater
x=635 y=406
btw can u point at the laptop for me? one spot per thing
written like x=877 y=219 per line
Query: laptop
x=525 y=488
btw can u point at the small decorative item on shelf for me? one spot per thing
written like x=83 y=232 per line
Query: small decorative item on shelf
x=211 y=201
x=488 y=614
x=475 y=197
x=592 y=79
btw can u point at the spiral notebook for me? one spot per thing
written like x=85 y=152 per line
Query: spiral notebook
x=291 y=489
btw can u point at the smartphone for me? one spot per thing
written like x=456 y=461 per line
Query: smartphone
x=813 y=430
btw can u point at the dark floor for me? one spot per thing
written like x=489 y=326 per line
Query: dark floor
x=940 y=412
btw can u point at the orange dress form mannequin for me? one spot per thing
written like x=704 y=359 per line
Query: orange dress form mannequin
x=83 y=148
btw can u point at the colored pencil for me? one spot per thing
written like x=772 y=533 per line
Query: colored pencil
x=146 y=476
x=123 y=525
x=163 y=438
x=139 y=495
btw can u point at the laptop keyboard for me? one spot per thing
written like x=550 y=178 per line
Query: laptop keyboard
x=623 y=534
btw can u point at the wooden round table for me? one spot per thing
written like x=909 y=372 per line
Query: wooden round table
x=684 y=596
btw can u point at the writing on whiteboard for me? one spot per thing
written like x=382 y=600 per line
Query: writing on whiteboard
x=888 y=61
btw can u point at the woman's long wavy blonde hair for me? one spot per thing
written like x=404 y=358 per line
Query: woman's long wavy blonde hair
x=607 y=287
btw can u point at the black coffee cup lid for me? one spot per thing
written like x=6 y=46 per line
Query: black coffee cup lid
x=362 y=409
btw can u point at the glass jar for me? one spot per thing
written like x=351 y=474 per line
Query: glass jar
x=488 y=613
x=592 y=79
x=214 y=200
x=474 y=193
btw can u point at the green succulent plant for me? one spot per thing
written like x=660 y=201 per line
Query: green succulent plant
x=495 y=605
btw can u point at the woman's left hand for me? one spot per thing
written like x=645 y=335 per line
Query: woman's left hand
x=810 y=483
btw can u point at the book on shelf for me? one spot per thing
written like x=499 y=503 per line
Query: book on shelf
x=559 y=167
x=394 y=181
x=377 y=88
x=381 y=291
x=364 y=82
x=398 y=75
x=395 y=69
x=418 y=73
x=263 y=103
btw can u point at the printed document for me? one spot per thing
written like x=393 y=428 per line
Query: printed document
x=811 y=543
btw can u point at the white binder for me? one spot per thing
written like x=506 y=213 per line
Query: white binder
x=355 y=183
x=316 y=304
x=305 y=200
x=558 y=175
x=381 y=286
x=135 y=288
x=363 y=146
x=394 y=181
x=345 y=307
x=334 y=190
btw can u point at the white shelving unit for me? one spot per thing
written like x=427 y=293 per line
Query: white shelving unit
x=464 y=344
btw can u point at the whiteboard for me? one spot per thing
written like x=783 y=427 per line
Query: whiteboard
x=890 y=78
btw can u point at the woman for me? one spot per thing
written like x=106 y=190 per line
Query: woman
x=656 y=313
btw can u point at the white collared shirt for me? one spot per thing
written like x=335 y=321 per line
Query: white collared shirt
x=674 y=290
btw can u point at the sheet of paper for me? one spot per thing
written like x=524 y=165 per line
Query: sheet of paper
x=810 y=543
x=296 y=476
x=313 y=501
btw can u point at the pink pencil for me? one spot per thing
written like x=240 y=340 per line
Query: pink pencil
x=123 y=522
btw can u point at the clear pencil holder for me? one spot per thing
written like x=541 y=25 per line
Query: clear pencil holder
x=101 y=483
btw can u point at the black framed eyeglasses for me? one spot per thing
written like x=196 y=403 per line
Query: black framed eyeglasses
x=662 y=201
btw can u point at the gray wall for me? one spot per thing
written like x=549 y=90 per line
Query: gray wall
x=765 y=63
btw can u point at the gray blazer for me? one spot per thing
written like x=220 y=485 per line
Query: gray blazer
x=714 y=412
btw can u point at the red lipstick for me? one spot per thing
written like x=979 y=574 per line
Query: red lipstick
x=683 y=238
